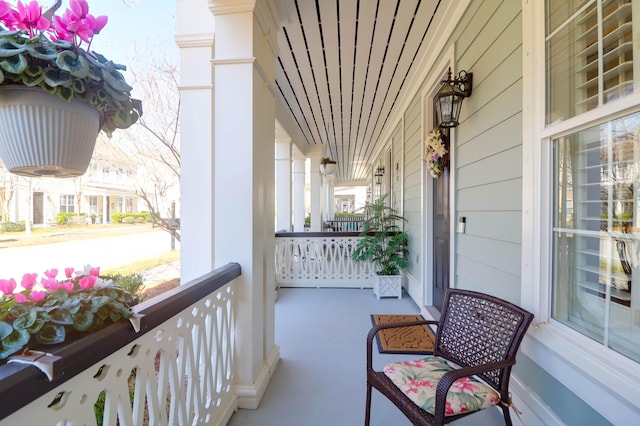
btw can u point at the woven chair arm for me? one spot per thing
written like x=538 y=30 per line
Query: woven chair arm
x=449 y=378
x=377 y=328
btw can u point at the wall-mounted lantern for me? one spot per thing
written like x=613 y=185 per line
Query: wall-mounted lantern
x=448 y=100
x=379 y=174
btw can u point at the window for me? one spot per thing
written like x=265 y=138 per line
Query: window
x=596 y=233
x=589 y=46
x=67 y=203
x=576 y=195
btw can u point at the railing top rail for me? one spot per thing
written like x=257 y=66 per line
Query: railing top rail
x=21 y=384
x=318 y=234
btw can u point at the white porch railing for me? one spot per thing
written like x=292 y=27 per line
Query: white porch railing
x=320 y=259
x=177 y=370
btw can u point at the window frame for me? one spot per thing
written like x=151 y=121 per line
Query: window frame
x=66 y=198
x=606 y=380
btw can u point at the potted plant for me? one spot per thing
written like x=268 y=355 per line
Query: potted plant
x=384 y=244
x=44 y=69
x=43 y=312
x=327 y=165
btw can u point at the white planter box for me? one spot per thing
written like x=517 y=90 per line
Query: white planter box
x=388 y=286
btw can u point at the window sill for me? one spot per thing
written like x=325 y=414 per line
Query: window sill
x=604 y=379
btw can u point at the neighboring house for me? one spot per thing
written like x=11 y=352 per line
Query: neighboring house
x=108 y=187
x=544 y=169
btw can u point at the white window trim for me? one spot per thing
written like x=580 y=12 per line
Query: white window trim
x=603 y=378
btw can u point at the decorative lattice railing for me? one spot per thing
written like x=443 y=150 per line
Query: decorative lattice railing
x=320 y=259
x=178 y=370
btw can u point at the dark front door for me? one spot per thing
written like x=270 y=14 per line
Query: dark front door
x=38 y=208
x=440 y=237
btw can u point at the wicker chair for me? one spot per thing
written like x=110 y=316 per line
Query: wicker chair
x=477 y=338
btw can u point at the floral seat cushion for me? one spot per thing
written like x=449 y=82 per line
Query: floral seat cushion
x=418 y=380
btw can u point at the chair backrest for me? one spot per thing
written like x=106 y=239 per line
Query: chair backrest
x=477 y=329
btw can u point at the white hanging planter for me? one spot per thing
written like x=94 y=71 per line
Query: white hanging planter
x=43 y=135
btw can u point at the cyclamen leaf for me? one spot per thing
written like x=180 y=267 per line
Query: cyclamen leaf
x=42 y=51
x=55 y=77
x=82 y=320
x=37 y=326
x=100 y=301
x=33 y=76
x=65 y=93
x=14 y=64
x=58 y=316
x=25 y=320
x=13 y=343
x=103 y=313
x=50 y=334
x=116 y=81
x=76 y=65
x=5 y=330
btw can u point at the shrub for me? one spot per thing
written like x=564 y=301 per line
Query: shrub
x=12 y=226
x=132 y=217
x=63 y=218
x=133 y=283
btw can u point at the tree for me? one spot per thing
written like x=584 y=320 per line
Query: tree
x=155 y=140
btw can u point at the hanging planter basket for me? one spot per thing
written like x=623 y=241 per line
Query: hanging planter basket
x=43 y=135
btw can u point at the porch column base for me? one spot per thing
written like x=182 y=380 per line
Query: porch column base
x=250 y=396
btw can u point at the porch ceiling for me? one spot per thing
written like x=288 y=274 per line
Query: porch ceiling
x=341 y=71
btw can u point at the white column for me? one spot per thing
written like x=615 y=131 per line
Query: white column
x=105 y=208
x=330 y=206
x=244 y=73
x=283 y=186
x=315 y=188
x=195 y=28
x=298 y=190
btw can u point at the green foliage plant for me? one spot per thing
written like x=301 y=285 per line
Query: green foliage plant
x=12 y=226
x=382 y=241
x=48 y=54
x=45 y=312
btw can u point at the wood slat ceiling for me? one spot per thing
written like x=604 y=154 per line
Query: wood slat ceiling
x=342 y=67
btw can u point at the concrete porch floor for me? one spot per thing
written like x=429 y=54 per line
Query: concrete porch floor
x=321 y=377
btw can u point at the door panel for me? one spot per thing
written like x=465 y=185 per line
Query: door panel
x=440 y=237
x=38 y=208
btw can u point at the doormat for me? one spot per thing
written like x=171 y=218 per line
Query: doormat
x=416 y=339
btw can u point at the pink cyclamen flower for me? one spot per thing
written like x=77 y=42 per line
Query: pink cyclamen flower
x=80 y=8
x=87 y=282
x=51 y=273
x=68 y=272
x=94 y=271
x=30 y=17
x=7 y=286
x=20 y=298
x=76 y=21
x=49 y=283
x=37 y=296
x=28 y=281
x=97 y=23
x=5 y=8
x=67 y=285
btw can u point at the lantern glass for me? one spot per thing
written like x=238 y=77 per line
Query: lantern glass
x=448 y=100
x=448 y=103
